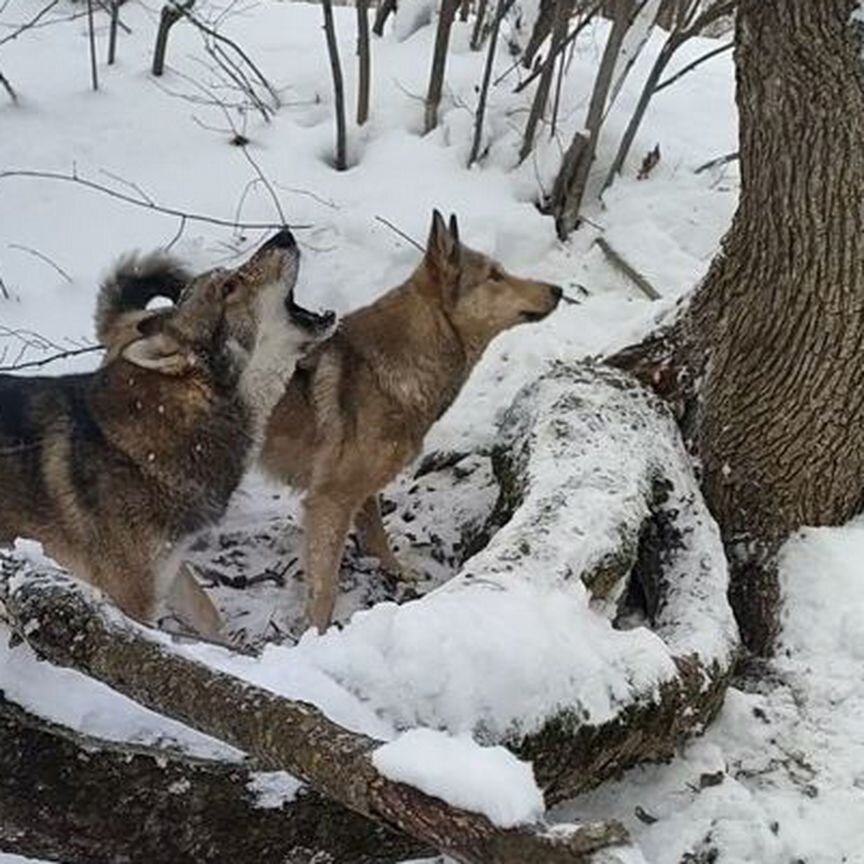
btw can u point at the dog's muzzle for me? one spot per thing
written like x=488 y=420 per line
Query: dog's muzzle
x=283 y=240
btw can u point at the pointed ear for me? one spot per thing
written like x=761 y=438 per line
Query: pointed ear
x=454 y=228
x=159 y=352
x=442 y=248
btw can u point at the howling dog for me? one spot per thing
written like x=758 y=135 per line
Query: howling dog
x=114 y=471
x=360 y=403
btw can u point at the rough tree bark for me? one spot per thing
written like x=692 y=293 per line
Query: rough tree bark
x=775 y=331
x=60 y=793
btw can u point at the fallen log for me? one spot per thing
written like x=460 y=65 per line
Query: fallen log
x=70 y=625
x=74 y=798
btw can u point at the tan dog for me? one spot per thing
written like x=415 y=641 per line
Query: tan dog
x=359 y=406
x=114 y=470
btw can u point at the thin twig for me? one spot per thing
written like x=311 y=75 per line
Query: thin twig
x=27 y=25
x=157 y=208
x=215 y=34
x=716 y=163
x=9 y=88
x=400 y=232
x=179 y=233
x=63 y=355
x=691 y=66
x=42 y=257
x=267 y=185
x=628 y=270
x=589 y=17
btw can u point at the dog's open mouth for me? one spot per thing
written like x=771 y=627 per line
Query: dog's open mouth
x=317 y=324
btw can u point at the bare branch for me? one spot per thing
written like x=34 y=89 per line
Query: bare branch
x=156 y=208
x=691 y=66
x=628 y=270
x=4 y=81
x=400 y=232
x=716 y=163
x=53 y=358
x=42 y=257
x=589 y=17
x=29 y=25
x=267 y=185
x=500 y=12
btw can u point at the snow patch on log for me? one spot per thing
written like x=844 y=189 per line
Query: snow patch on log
x=518 y=637
x=487 y=780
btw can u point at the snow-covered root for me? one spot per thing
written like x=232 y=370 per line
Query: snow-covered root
x=541 y=642
x=591 y=631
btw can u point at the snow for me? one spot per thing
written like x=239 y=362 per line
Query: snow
x=273 y=789
x=487 y=780
x=462 y=662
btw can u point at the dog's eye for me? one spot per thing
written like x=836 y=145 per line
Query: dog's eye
x=496 y=275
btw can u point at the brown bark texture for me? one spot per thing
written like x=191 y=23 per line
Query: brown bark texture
x=69 y=625
x=61 y=792
x=774 y=335
x=779 y=319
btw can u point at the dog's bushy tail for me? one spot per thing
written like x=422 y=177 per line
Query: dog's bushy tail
x=134 y=281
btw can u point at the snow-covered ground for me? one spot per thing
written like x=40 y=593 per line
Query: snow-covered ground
x=779 y=778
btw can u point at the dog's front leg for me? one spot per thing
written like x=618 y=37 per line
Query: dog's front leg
x=328 y=518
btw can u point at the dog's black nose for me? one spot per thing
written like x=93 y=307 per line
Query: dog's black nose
x=557 y=292
x=283 y=240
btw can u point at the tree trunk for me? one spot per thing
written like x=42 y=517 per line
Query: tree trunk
x=171 y=13
x=573 y=177
x=774 y=333
x=439 y=62
x=341 y=158
x=480 y=114
x=364 y=58
x=112 y=32
x=385 y=9
x=541 y=96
